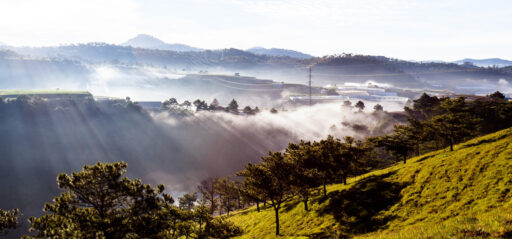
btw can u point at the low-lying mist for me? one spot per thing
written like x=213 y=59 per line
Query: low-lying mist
x=221 y=143
x=42 y=139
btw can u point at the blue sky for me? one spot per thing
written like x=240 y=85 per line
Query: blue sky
x=406 y=29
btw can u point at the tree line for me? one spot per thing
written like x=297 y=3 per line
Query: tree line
x=306 y=166
x=298 y=171
x=435 y=123
x=180 y=109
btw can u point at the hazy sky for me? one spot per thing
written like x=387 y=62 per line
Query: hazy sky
x=407 y=29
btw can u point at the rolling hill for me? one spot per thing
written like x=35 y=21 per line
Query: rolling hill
x=279 y=52
x=461 y=194
x=332 y=69
x=486 y=62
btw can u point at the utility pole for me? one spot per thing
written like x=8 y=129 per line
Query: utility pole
x=310 y=101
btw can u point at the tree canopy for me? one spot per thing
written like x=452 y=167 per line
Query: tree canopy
x=270 y=179
x=8 y=220
x=99 y=202
x=360 y=105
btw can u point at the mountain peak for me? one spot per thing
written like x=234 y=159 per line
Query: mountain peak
x=144 y=40
x=151 y=42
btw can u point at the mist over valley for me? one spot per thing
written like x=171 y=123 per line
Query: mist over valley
x=254 y=128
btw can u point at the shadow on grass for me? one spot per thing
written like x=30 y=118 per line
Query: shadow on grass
x=357 y=208
x=484 y=141
x=425 y=158
x=296 y=202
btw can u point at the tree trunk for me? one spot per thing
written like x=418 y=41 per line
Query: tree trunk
x=258 y=206
x=405 y=159
x=276 y=209
x=325 y=189
x=174 y=228
x=212 y=207
x=451 y=144
x=306 y=203
x=344 y=179
x=107 y=235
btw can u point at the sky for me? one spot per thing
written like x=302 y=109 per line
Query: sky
x=405 y=29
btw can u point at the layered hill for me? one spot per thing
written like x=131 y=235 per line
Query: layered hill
x=461 y=194
x=279 y=52
x=334 y=69
x=486 y=62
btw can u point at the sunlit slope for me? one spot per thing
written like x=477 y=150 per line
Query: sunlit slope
x=464 y=193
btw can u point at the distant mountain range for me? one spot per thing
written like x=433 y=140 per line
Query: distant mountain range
x=275 y=64
x=150 y=42
x=279 y=52
x=486 y=62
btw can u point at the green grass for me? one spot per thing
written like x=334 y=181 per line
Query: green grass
x=41 y=92
x=461 y=194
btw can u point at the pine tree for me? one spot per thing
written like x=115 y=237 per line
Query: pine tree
x=360 y=105
x=100 y=202
x=233 y=106
x=399 y=143
x=304 y=176
x=8 y=220
x=209 y=193
x=187 y=201
x=378 y=108
x=456 y=124
x=227 y=194
x=329 y=152
x=497 y=96
x=271 y=180
x=427 y=105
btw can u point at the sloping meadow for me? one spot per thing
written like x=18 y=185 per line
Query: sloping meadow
x=443 y=194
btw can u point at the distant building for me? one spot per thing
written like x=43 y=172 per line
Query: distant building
x=353 y=93
x=318 y=98
x=370 y=93
x=379 y=98
x=330 y=98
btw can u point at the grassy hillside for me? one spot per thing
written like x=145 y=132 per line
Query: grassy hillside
x=464 y=193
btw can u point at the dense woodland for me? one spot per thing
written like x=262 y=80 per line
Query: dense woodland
x=129 y=208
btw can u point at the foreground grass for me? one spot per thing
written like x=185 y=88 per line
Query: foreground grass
x=461 y=194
